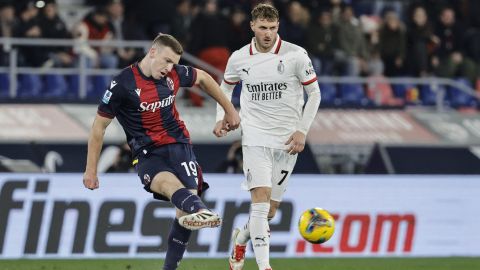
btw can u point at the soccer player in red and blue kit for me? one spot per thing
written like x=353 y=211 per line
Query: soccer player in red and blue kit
x=142 y=97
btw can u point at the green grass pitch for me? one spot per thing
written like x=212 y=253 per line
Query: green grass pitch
x=454 y=263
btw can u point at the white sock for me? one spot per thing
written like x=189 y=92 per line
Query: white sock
x=244 y=234
x=259 y=233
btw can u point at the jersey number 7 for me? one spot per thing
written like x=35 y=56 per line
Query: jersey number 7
x=285 y=173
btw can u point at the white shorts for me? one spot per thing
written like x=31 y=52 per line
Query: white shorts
x=267 y=167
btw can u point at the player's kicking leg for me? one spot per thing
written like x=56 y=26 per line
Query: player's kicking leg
x=197 y=215
x=177 y=242
x=189 y=207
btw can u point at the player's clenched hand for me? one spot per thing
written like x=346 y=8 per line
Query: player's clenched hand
x=296 y=143
x=90 y=181
x=232 y=120
x=219 y=129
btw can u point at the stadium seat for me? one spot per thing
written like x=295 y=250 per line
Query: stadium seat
x=459 y=98
x=73 y=82
x=353 y=94
x=329 y=93
x=74 y=85
x=4 y=85
x=381 y=92
x=29 y=86
x=400 y=90
x=55 y=86
x=428 y=95
x=406 y=91
x=100 y=84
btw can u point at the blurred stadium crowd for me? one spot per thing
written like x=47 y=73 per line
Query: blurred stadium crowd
x=411 y=38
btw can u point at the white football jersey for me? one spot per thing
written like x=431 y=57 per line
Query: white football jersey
x=272 y=91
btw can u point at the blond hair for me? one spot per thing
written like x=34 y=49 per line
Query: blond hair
x=169 y=41
x=266 y=12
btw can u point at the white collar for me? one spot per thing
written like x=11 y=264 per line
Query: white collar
x=275 y=48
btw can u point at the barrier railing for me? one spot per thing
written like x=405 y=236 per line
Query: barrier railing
x=435 y=84
x=10 y=46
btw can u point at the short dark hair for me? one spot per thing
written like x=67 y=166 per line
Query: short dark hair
x=169 y=41
x=265 y=11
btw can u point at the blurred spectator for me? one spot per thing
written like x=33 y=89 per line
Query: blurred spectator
x=336 y=7
x=209 y=35
x=293 y=26
x=245 y=5
x=393 y=42
x=449 y=59
x=29 y=27
x=381 y=7
x=234 y=161
x=155 y=16
x=352 y=53
x=124 y=29
x=52 y=26
x=96 y=26
x=431 y=7
x=371 y=29
x=123 y=161
x=209 y=40
x=7 y=26
x=239 y=32
x=378 y=7
x=321 y=43
x=182 y=22
x=421 y=42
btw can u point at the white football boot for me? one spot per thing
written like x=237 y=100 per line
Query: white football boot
x=237 y=258
x=201 y=219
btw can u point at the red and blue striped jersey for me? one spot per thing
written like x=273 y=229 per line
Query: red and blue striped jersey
x=145 y=107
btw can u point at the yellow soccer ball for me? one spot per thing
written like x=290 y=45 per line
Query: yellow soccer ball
x=316 y=225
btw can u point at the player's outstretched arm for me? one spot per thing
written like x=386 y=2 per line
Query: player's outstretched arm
x=208 y=84
x=95 y=142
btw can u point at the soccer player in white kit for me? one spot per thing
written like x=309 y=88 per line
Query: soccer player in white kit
x=274 y=124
